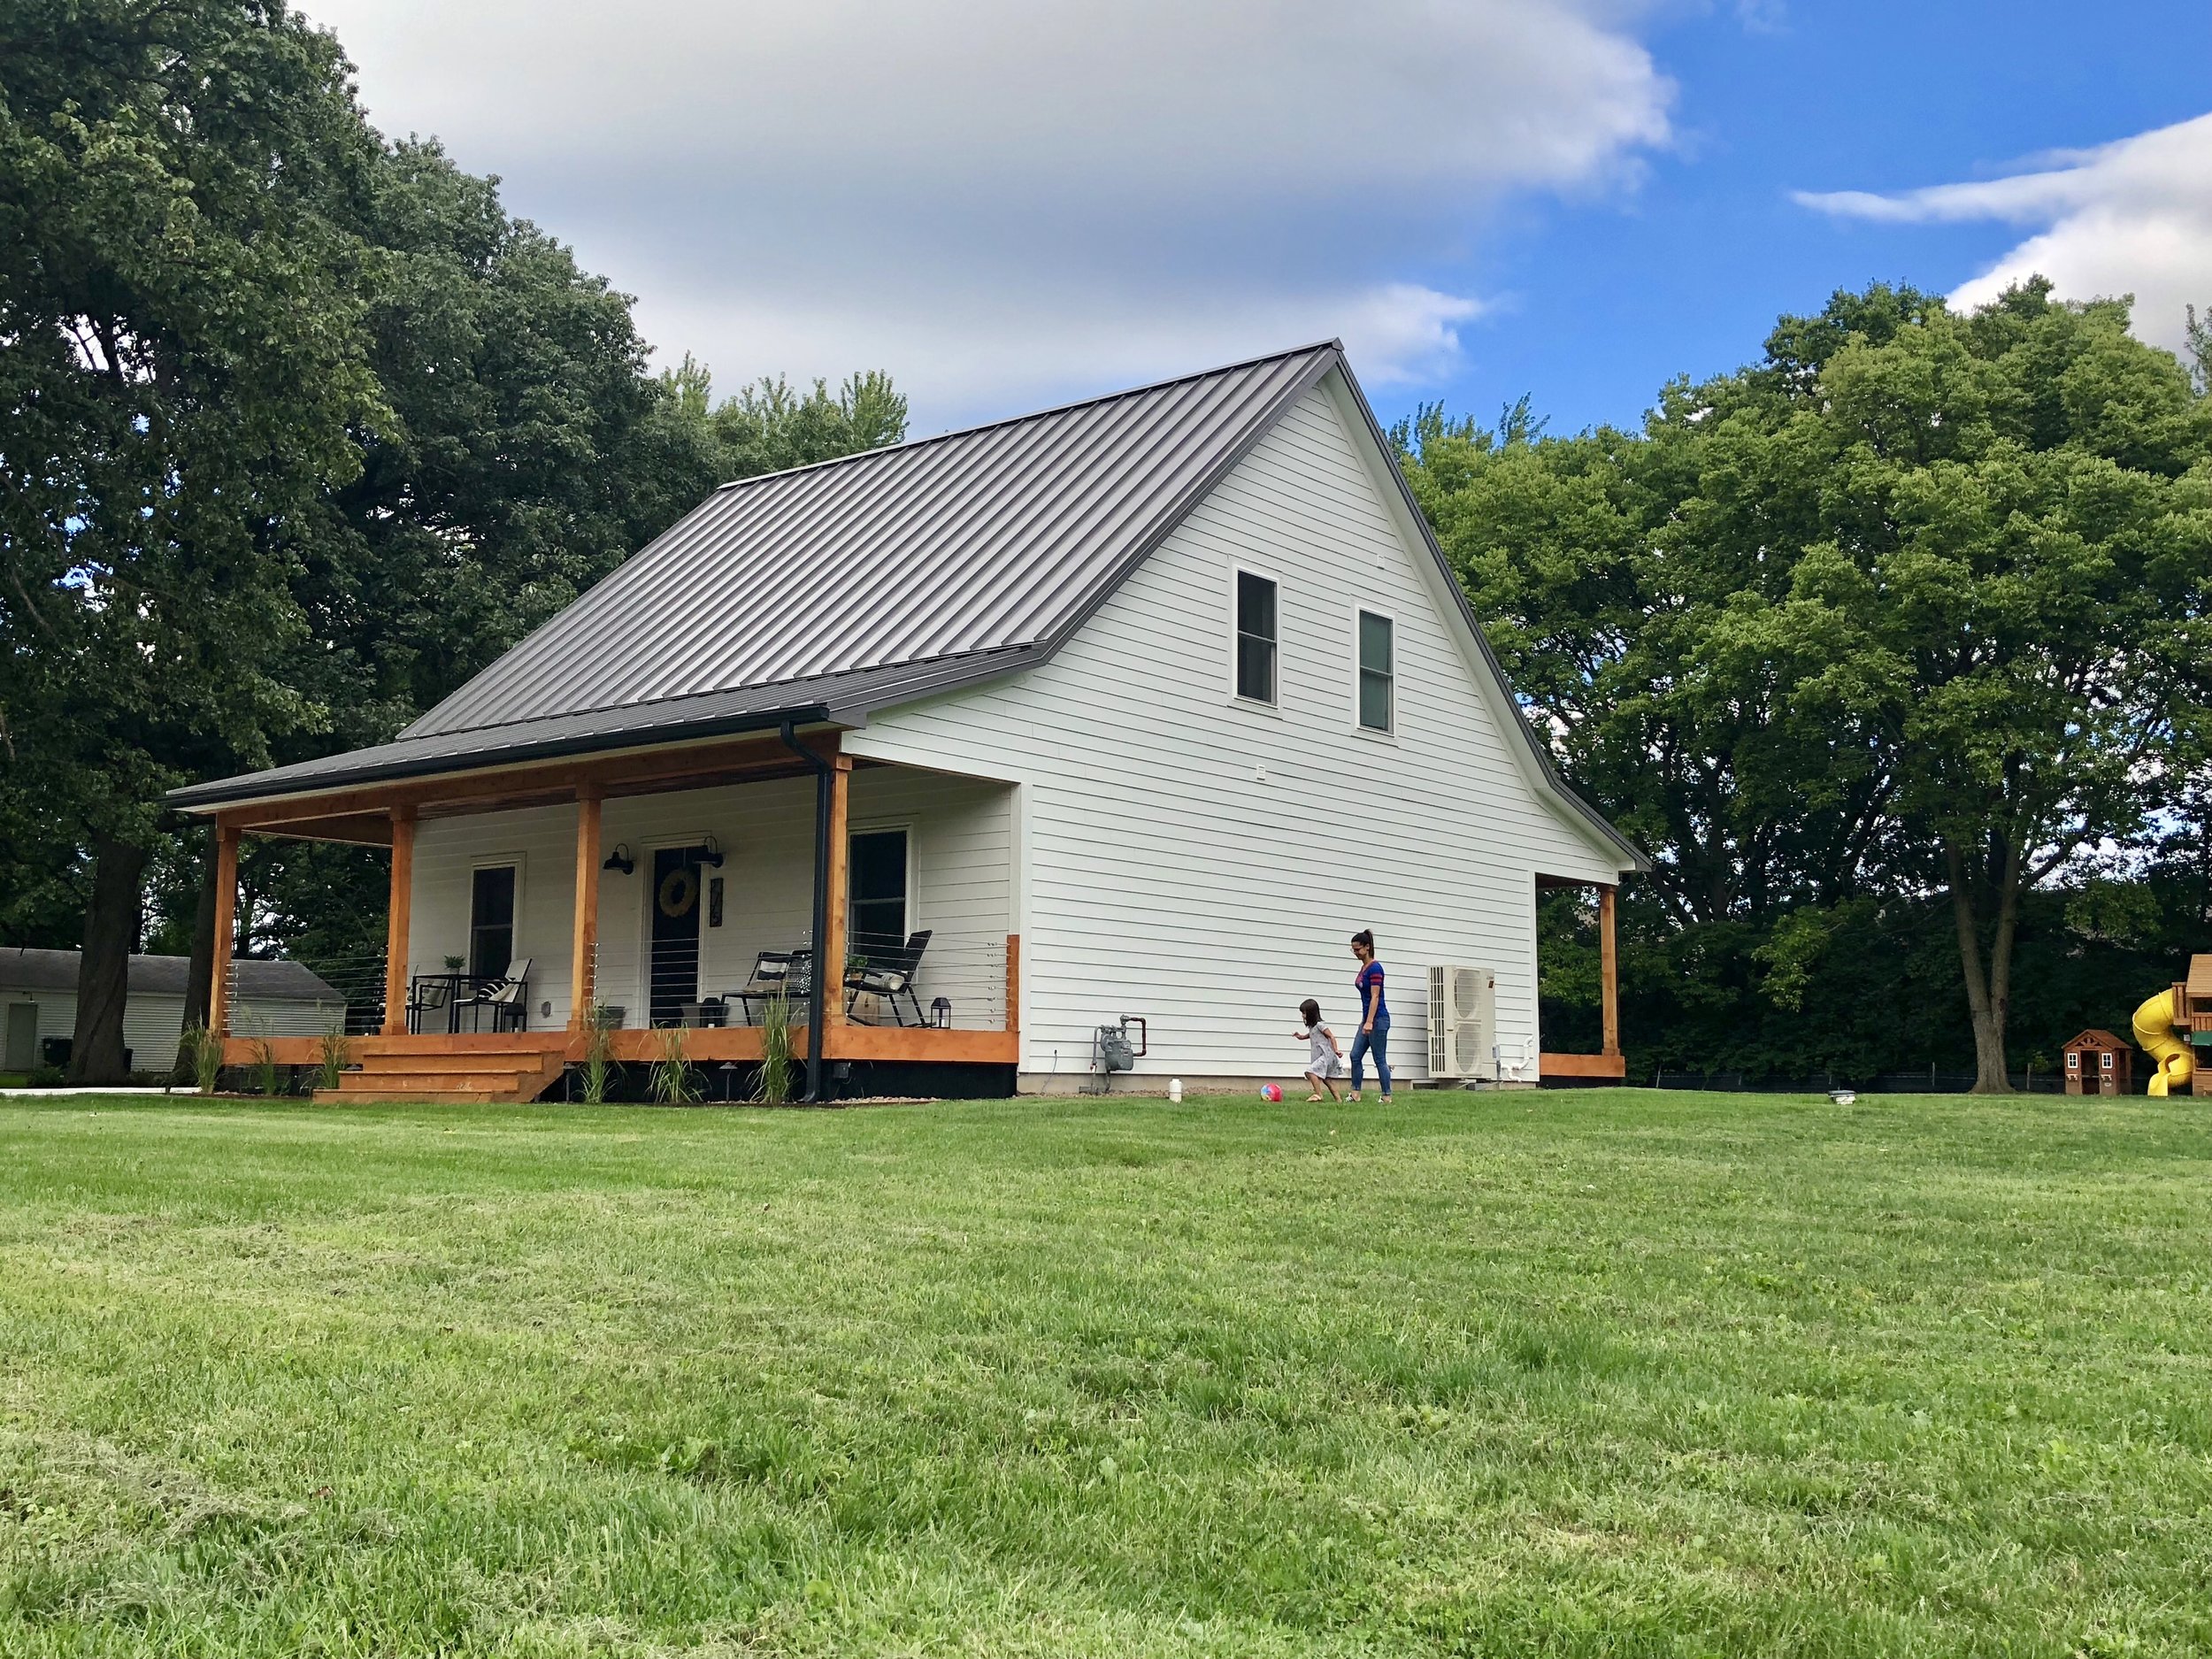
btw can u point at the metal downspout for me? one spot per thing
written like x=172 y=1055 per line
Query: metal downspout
x=823 y=775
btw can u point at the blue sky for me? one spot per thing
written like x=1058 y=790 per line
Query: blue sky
x=1006 y=205
x=1603 y=300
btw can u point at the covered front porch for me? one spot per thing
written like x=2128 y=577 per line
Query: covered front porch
x=532 y=908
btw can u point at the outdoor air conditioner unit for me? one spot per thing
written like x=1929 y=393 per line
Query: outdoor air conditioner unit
x=1463 y=1021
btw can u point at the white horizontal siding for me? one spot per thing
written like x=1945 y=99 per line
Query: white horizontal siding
x=960 y=887
x=1201 y=862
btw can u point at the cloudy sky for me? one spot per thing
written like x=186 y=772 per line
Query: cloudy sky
x=1006 y=204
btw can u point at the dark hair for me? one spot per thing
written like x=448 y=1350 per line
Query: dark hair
x=1365 y=936
x=1309 y=1011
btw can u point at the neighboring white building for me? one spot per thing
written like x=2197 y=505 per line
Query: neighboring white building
x=1173 y=687
x=38 y=1003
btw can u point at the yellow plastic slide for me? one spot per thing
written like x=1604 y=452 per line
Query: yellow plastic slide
x=2154 y=1035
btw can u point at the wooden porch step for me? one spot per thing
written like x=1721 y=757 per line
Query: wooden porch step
x=476 y=1082
x=449 y=1076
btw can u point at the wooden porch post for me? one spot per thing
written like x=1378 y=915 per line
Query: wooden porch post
x=226 y=930
x=584 y=949
x=395 y=921
x=1013 y=1021
x=1608 y=972
x=832 y=959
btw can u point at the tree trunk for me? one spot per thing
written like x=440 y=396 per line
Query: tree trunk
x=110 y=934
x=199 y=975
x=1988 y=993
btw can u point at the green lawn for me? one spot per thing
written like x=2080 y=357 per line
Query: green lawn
x=1604 y=1373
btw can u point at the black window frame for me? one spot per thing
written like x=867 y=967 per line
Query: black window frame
x=863 y=907
x=1255 y=656
x=1364 y=675
x=480 y=927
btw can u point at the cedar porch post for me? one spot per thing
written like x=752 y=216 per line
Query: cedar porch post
x=1608 y=972
x=583 y=948
x=396 y=918
x=226 y=930
x=831 y=959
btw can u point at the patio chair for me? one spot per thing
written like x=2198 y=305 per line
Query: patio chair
x=771 y=977
x=891 y=979
x=508 y=999
x=426 y=996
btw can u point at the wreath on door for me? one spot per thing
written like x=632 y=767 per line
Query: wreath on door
x=679 y=891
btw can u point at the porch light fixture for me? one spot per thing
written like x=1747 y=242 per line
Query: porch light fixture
x=620 y=859
x=710 y=852
x=940 y=1012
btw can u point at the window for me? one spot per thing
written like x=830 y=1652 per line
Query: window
x=492 y=921
x=1378 y=672
x=876 y=884
x=1255 y=637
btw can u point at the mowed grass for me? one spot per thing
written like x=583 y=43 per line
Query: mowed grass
x=1603 y=1373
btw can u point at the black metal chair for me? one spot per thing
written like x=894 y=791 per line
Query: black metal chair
x=509 y=998
x=891 y=979
x=428 y=996
x=771 y=977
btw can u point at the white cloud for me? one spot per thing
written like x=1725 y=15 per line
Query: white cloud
x=2133 y=216
x=1004 y=202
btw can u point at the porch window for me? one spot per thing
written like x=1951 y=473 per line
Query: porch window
x=1255 y=637
x=876 y=883
x=1378 y=672
x=492 y=921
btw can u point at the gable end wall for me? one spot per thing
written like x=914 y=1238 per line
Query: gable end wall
x=1201 y=862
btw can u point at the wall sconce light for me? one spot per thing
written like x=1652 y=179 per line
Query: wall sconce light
x=620 y=859
x=940 y=1012
x=710 y=853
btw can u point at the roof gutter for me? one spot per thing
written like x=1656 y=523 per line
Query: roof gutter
x=207 y=797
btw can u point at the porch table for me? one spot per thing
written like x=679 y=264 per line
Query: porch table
x=460 y=989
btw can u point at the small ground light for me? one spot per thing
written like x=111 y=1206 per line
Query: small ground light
x=729 y=1077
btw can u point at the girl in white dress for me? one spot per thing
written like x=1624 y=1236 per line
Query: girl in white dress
x=1325 y=1059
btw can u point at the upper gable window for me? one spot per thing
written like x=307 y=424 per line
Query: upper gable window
x=1255 y=637
x=1378 y=672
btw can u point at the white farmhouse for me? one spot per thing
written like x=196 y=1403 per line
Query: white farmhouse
x=1136 y=707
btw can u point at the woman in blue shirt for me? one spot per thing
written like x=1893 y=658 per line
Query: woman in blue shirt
x=1373 y=1036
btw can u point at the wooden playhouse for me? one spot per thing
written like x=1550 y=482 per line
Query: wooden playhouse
x=2098 y=1063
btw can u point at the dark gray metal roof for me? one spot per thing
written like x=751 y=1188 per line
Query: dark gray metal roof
x=829 y=590
x=826 y=592
x=24 y=969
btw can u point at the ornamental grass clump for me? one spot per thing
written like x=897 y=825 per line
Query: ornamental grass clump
x=598 y=1047
x=774 y=1087
x=264 y=1066
x=671 y=1082
x=205 y=1050
x=336 y=1055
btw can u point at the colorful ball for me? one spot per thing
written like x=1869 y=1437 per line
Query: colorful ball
x=1270 y=1091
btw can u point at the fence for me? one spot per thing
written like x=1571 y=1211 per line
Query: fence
x=959 y=982
x=1932 y=1081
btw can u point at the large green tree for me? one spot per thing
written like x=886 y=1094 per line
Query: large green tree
x=1913 y=608
x=184 y=377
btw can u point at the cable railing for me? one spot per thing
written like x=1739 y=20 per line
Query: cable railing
x=283 y=997
x=957 y=981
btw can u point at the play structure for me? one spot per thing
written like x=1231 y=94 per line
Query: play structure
x=2170 y=1027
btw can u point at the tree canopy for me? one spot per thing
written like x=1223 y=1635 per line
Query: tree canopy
x=1912 y=609
x=298 y=429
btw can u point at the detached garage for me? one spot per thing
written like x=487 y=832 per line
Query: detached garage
x=38 y=1005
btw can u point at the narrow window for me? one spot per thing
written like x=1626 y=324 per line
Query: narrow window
x=492 y=921
x=1378 y=672
x=1255 y=637
x=876 y=881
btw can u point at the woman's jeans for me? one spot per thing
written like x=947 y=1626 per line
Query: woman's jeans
x=1376 y=1042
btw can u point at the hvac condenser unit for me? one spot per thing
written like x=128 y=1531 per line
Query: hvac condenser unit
x=1463 y=1021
